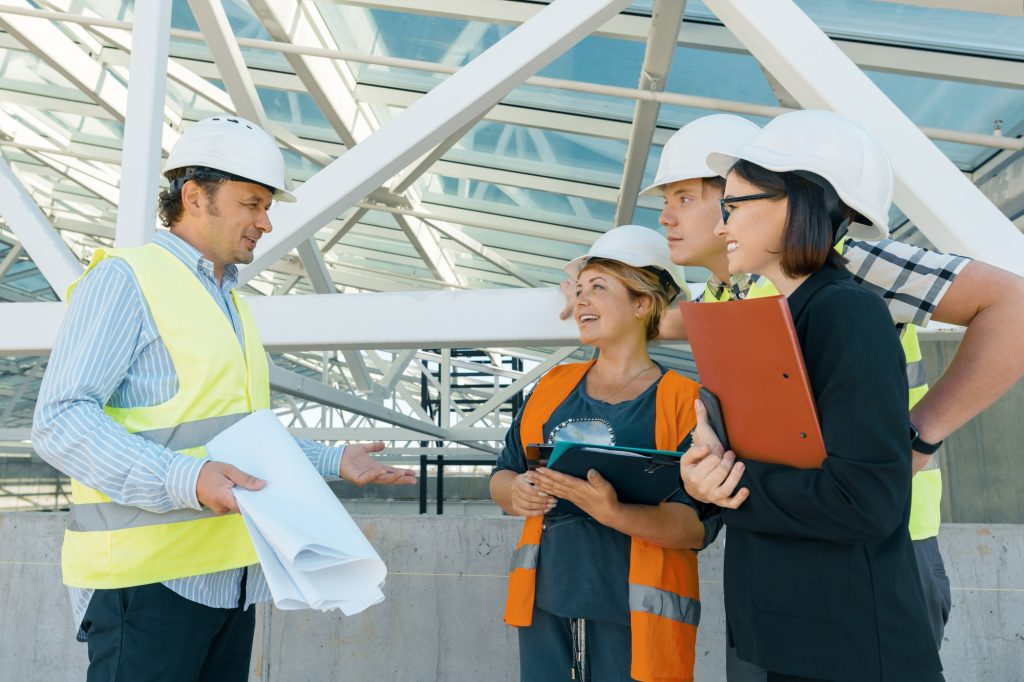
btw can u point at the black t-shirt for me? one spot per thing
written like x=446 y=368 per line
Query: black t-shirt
x=583 y=569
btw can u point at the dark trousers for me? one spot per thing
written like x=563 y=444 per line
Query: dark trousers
x=546 y=650
x=150 y=634
x=935 y=584
x=937 y=600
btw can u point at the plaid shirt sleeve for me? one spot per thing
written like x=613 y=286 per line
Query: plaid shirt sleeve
x=911 y=280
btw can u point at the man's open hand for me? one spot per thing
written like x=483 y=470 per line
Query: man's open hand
x=360 y=468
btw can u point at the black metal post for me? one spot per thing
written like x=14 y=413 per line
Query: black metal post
x=440 y=485
x=423 y=484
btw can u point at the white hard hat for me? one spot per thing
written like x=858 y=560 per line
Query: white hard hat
x=633 y=245
x=234 y=146
x=686 y=152
x=832 y=147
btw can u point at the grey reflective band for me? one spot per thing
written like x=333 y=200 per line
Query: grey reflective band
x=190 y=434
x=525 y=557
x=916 y=377
x=107 y=516
x=933 y=463
x=647 y=599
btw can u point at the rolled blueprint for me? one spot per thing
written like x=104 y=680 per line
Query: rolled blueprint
x=311 y=551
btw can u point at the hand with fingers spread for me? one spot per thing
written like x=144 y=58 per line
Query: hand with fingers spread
x=712 y=478
x=527 y=499
x=594 y=494
x=568 y=287
x=359 y=467
x=215 y=483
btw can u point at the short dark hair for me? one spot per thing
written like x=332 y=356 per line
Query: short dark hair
x=718 y=182
x=169 y=205
x=809 y=236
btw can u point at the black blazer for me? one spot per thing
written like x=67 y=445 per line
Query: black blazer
x=820 y=575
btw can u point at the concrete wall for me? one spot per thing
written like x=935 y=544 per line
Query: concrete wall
x=984 y=482
x=445 y=591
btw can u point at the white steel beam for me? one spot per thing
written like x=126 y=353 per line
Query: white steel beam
x=63 y=55
x=143 y=125
x=414 y=320
x=500 y=223
x=48 y=251
x=429 y=247
x=331 y=85
x=666 y=17
x=1013 y=8
x=213 y=21
x=461 y=98
x=892 y=58
x=518 y=385
x=457 y=235
x=294 y=384
x=10 y=259
x=391 y=434
x=930 y=190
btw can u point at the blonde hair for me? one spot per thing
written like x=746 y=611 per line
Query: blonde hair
x=641 y=283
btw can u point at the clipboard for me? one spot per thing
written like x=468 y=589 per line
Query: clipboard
x=639 y=476
x=748 y=355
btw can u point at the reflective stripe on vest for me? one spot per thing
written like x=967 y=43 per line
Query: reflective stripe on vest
x=664 y=597
x=646 y=599
x=109 y=545
x=524 y=557
x=926 y=487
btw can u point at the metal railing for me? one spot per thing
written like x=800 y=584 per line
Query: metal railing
x=440 y=462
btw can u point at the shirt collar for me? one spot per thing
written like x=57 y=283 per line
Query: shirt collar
x=805 y=292
x=190 y=256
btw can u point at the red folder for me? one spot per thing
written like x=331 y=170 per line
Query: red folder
x=748 y=355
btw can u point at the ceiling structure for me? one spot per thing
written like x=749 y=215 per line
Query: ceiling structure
x=450 y=157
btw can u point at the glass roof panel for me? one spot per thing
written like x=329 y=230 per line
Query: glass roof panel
x=571 y=156
x=967 y=107
x=976 y=33
x=518 y=202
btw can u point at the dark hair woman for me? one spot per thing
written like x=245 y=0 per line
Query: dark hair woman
x=820 y=576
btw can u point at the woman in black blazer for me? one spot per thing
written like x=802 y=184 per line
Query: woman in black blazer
x=820 y=577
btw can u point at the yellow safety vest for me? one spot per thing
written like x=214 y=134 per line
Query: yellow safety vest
x=926 y=494
x=108 y=545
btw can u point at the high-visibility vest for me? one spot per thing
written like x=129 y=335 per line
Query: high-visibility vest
x=664 y=595
x=926 y=490
x=108 y=545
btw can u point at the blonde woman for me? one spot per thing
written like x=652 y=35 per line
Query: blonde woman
x=612 y=595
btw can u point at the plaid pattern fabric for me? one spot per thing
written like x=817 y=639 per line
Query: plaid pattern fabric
x=911 y=280
x=736 y=289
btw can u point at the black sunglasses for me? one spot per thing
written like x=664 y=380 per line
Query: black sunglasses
x=735 y=200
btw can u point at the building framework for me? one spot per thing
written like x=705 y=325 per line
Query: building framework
x=448 y=158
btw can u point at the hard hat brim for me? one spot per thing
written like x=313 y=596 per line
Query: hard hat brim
x=692 y=172
x=722 y=163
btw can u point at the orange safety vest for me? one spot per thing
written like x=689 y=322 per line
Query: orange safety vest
x=664 y=595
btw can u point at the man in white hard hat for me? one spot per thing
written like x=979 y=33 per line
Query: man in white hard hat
x=156 y=355
x=917 y=284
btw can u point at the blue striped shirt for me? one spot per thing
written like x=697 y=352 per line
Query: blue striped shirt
x=109 y=352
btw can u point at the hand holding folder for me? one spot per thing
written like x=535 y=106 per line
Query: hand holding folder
x=639 y=476
x=748 y=355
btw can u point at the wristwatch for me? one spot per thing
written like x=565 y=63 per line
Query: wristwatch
x=920 y=445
